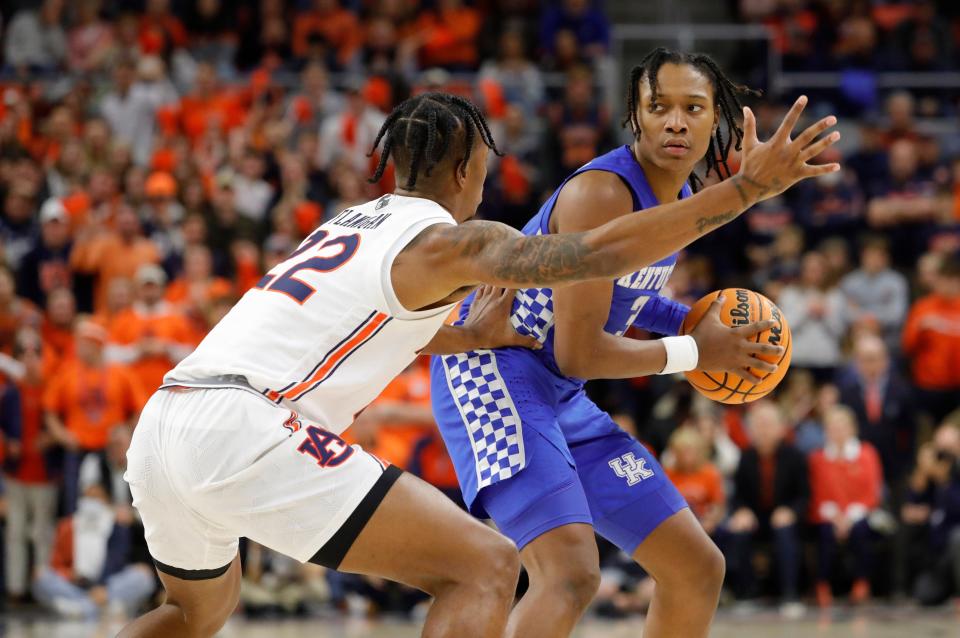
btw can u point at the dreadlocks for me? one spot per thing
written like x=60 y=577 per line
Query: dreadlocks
x=725 y=94
x=419 y=133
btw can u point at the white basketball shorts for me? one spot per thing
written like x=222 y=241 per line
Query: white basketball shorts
x=209 y=465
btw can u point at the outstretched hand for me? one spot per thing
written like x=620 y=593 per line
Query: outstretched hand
x=769 y=168
x=489 y=317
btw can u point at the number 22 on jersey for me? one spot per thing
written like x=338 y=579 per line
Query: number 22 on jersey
x=283 y=278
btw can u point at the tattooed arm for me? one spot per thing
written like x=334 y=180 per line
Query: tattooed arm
x=447 y=258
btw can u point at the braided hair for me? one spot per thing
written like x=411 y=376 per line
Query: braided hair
x=726 y=96
x=423 y=131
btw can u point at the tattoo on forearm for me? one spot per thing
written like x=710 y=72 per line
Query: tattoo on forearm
x=547 y=259
x=775 y=185
x=744 y=199
x=554 y=258
x=715 y=220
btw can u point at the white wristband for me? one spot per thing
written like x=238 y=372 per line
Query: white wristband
x=682 y=354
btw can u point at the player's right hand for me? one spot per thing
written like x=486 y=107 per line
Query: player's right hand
x=489 y=316
x=769 y=168
x=725 y=349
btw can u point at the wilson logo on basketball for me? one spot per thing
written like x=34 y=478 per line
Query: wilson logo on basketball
x=741 y=307
x=740 y=314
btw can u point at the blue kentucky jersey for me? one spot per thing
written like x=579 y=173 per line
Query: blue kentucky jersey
x=636 y=299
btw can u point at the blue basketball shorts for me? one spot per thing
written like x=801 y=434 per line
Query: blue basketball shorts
x=533 y=452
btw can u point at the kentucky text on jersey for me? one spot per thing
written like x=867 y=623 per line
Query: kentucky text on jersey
x=652 y=278
x=351 y=219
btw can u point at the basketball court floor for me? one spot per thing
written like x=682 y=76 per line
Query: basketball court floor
x=876 y=622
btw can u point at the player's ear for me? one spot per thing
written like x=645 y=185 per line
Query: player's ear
x=460 y=173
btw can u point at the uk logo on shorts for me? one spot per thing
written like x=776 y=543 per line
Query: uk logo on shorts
x=631 y=468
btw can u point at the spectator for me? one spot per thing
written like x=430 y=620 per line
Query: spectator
x=931 y=338
x=869 y=161
x=875 y=292
x=111 y=254
x=162 y=216
x=448 y=36
x=695 y=477
x=58 y=325
x=17 y=224
x=587 y=23
x=923 y=41
x=90 y=39
x=335 y=24
x=15 y=312
x=817 y=318
x=846 y=481
x=30 y=489
x=833 y=206
x=883 y=404
x=160 y=30
x=578 y=126
x=520 y=79
x=150 y=337
x=208 y=25
x=706 y=417
x=909 y=203
x=92 y=566
x=88 y=397
x=932 y=517
x=770 y=499
x=131 y=108
x=227 y=225
x=519 y=139
x=836 y=253
x=400 y=417
x=385 y=53
x=119 y=300
x=315 y=100
x=47 y=265
x=198 y=285
x=252 y=192
x=901 y=124
x=430 y=461
x=209 y=107
x=350 y=133
x=35 y=38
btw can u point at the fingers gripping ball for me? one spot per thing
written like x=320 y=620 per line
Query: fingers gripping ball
x=741 y=307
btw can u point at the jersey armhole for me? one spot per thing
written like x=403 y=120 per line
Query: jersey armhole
x=391 y=302
x=633 y=195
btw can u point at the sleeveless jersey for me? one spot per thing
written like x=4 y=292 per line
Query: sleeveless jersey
x=636 y=299
x=323 y=332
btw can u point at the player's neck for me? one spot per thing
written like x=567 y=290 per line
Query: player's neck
x=665 y=184
x=449 y=202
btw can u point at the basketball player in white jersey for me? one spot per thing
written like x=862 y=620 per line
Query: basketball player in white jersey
x=243 y=437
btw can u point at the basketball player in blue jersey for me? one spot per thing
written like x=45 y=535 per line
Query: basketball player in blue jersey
x=536 y=455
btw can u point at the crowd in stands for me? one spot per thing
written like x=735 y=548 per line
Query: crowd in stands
x=157 y=157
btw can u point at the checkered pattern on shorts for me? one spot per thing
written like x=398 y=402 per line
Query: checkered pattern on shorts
x=534 y=313
x=489 y=414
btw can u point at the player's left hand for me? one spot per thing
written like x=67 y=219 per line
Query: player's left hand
x=490 y=318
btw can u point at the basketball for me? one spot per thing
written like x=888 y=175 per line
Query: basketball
x=741 y=307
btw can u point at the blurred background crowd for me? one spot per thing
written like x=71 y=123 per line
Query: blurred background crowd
x=158 y=156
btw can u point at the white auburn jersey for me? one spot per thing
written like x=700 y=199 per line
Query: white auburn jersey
x=323 y=332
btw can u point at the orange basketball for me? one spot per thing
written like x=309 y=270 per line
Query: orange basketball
x=740 y=307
